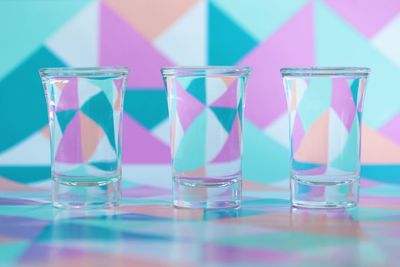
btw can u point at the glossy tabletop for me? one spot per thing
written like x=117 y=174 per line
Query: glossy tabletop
x=147 y=231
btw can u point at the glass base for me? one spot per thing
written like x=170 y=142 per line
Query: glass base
x=196 y=193
x=86 y=195
x=306 y=194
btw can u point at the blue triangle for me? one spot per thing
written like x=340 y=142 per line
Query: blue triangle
x=22 y=102
x=64 y=117
x=339 y=44
x=197 y=88
x=148 y=107
x=227 y=42
x=99 y=109
x=225 y=116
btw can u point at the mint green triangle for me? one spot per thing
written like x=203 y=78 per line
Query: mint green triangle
x=227 y=41
x=264 y=160
x=26 y=24
x=191 y=151
x=262 y=18
x=225 y=116
x=197 y=88
x=148 y=107
x=65 y=117
x=316 y=101
x=11 y=251
x=348 y=159
x=339 y=44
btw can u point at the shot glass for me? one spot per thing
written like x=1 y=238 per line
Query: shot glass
x=206 y=118
x=84 y=108
x=325 y=109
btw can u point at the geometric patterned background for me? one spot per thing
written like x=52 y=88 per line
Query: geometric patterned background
x=145 y=35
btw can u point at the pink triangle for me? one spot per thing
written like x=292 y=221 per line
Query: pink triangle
x=69 y=96
x=121 y=45
x=292 y=45
x=231 y=149
x=368 y=17
x=229 y=98
x=187 y=106
x=342 y=102
x=139 y=146
x=69 y=149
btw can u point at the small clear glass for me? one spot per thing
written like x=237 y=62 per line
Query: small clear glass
x=84 y=108
x=206 y=117
x=325 y=109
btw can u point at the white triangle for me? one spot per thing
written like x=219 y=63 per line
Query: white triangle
x=179 y=132
x=185 y=42
x=279 y=130
x=76 y=43
x=215 y=88
x=216 y=136
x=337 y=136
x=86 y=90
x=388 y=42
x=301 y=87
x=162 y=132
x=35 y=150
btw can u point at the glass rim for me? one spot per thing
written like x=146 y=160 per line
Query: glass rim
x=325 y=71
x=205 y=71
x=84 y=71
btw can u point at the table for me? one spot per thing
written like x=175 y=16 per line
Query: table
x=147 y=231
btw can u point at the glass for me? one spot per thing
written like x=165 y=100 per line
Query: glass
x=325 y=107
x=205 y=111
x=84 y=108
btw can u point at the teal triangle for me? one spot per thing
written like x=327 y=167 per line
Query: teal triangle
x=148 y=107
x=197 y=88
x=190 y=153
x=316 y=101
x=264 y=160
x=348 y=160
x=227 y=42
x=25 y=25
x=105 y=84
x=339 y=44
x=225 y=116
x=22 y=102
x=240 y=110
x=25 y=174
x=64 y=117
x=354 y=90
x=105 y=165
x=302 y=166
x=99 y=109
x=260 y=19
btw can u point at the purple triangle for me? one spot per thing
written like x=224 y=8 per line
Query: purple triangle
x=187 y=106
x=69 y=96
x=369 y=17
x=122 y=45
x=392 y=129
x=231 y=149
x=139 y=146
x=69 y=149
x=229 y=98
x=343 y=102
x=291 y=45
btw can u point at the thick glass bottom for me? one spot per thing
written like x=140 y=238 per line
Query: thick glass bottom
x=102 y=193
x=307 y=194
x=207 y=193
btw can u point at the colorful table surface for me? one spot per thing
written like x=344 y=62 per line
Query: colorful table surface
x=147 y=231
